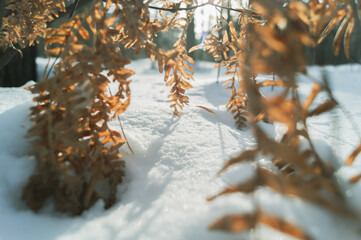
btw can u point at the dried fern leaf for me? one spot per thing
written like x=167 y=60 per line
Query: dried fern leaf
x=340 y=32
x=207 y=109
x=284 y=226
x=353 y=155
x=84 y=33
x=335 y=20
x=355 y=179
x=293 y=186
x=235 y=223
x=246 y=222
x=315 y=91
x=324 y=107
x=246 y=187
x=268 y=83
x=280 y=110
x=347 y=37
x=245 y=156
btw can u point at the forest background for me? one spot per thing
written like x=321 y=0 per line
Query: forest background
x=22 y=68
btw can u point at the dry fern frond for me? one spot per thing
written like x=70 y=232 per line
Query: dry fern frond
x=78 y=159
x=176 y=63
x=27 y=21
x=353 y=155
x=355 y=179
x=350 y=160
x=178 y=70
x=246 y=222
x=135 y=29
x=277 y=46
x=229 y=52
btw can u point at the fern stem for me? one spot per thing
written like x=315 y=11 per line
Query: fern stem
x=121 y=127
x=125 y=137
x=50 y=129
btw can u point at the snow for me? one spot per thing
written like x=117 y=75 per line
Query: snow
x=175 y=164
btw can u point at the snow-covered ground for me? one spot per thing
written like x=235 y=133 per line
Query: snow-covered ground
x=174 y=166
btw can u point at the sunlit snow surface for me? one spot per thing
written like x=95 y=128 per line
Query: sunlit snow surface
x=174 y=168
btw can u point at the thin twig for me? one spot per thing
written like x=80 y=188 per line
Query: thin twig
x=65 y=42
x=201 y=5
x=125 y=137
x=50 y=129
x=121 y=126
x=46 y=69
x=73 y=10
x=6 y=56
x=179 y=9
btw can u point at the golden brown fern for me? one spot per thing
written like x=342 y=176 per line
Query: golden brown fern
x=27 y=21
x=178 y=70
x=137 y=30
x=277 y=46
x=228 y=52
x=176 y=63
x=78 y=159
x=75 y=149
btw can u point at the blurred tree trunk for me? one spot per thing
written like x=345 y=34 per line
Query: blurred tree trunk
x=20 y=69
x=190 y=37
x=14 y=69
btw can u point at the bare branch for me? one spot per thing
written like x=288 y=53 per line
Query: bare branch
x=179 y=9
x=202 y=5
x=74 y=8
x=71 y=10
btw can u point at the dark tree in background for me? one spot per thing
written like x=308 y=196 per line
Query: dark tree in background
x=190 y=37
x=322 y=55
x=20 y=69
x=16 y=70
